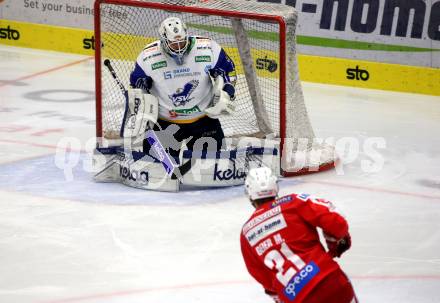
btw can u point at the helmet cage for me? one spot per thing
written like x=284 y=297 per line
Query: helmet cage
x=175 y=47
x=174 y=38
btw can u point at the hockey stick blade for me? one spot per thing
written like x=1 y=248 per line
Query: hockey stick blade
x=176 y=172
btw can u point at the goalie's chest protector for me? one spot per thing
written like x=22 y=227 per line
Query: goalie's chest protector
x=185 y=90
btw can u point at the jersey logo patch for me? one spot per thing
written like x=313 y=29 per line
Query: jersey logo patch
x=184 y=112
x=260 y=218
x=151 y=56
x=281 y=201
x=303 y=197
x=158 y=65
x=265 y=229
x=301 y=279
x=203 y=58
x=182 y=95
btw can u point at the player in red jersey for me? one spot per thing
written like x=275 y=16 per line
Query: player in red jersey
x=281 y=246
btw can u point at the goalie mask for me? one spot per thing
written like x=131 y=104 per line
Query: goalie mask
x=261 y=183
x=174 y=38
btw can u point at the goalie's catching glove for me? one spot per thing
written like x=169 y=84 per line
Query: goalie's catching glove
x=141 y=111
x=337 y=247
x=221 y=103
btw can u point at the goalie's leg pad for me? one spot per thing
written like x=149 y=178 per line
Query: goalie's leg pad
x=228 y=167
x=141 y=110
x=117 y=165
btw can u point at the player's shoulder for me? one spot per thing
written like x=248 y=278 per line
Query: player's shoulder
x=151 y=51
x=201 y=39
x=153 y=46
x=203 y=42
x=297 y=200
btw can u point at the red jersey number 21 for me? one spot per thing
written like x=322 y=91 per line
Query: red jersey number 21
x=276 y=259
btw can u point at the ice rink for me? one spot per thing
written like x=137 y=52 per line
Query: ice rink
x=66 y=239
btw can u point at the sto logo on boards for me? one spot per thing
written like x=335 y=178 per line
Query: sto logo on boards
x=9 y=33
x=357 y=74
x=266 y=64
x=89 y=43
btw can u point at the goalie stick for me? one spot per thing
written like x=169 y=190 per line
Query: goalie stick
x=176 y=172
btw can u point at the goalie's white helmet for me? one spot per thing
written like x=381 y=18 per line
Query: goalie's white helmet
x=261 y=183
x=174 y=38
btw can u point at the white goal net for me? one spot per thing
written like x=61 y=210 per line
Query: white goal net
x=258 y=37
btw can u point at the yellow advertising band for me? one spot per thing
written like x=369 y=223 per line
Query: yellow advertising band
x=47 y=37
x=347 y=72
x=368 y=74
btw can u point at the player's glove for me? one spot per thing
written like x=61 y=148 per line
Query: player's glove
x=141 y=110
x=273 y=295
x=221 y=103
x=337 y=247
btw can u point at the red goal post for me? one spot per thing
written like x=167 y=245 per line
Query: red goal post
x=269 y=103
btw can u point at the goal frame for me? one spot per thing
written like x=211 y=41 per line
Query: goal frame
x=199 y=10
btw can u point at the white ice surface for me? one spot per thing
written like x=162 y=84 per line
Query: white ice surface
x=72 y=240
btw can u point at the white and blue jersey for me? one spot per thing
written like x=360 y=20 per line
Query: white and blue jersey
x=184 y=91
